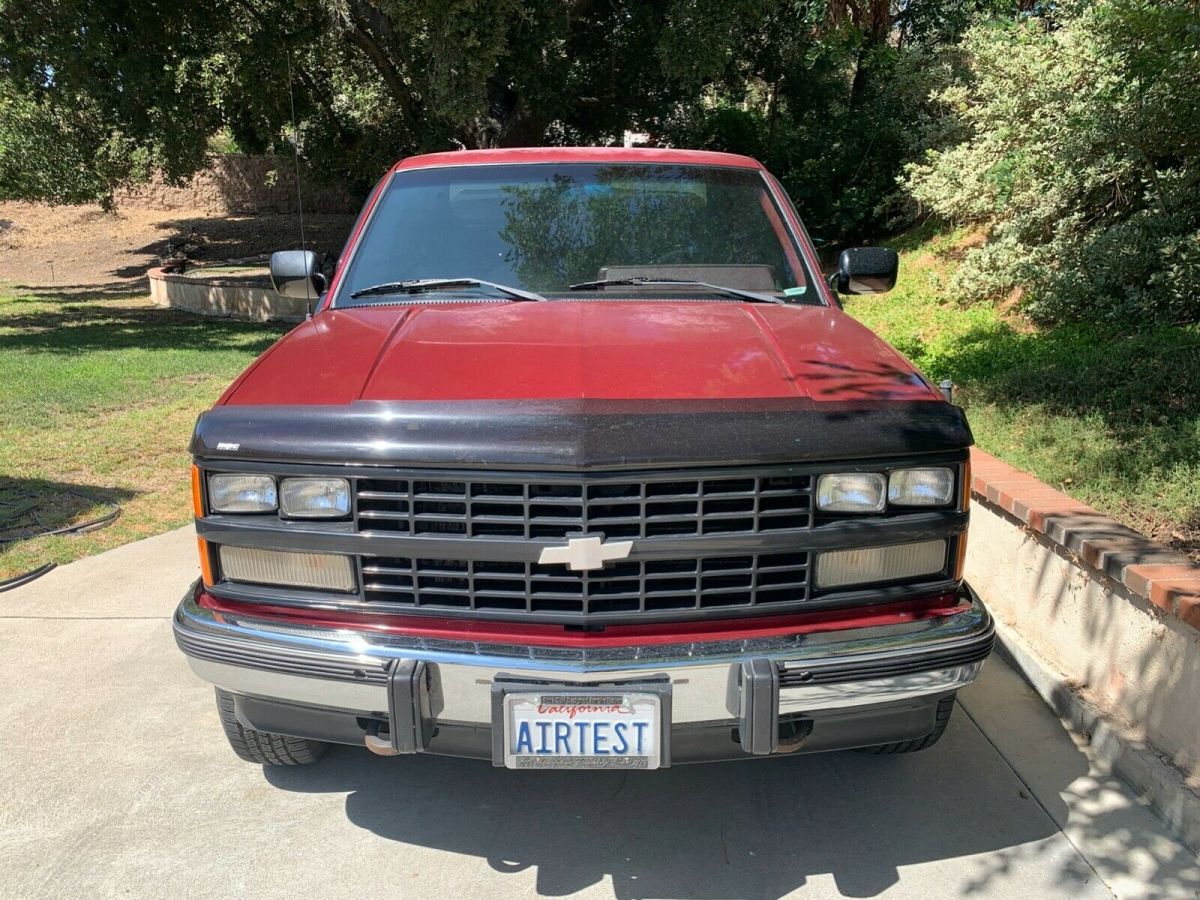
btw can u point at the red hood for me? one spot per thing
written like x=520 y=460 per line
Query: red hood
x=584 y=349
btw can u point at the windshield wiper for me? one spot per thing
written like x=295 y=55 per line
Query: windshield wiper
x=425 y=285
x=639 y=280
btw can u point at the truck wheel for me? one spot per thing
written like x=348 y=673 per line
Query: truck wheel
x=261 y=747
x=944 y=708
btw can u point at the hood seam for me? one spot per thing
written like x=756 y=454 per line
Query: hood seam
x=396 y=330
x=774 y=347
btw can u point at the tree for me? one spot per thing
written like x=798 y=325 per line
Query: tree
x=831 y=94
x=127 y=84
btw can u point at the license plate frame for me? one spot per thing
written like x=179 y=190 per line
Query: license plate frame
x=507 y=694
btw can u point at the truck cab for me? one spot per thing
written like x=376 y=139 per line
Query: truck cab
x=578 y=463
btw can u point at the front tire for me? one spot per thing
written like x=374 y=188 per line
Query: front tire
x=260 y=746
x=944 y=708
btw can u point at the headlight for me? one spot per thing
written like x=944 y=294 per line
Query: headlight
x=842 y=567
x=314 y=498
x=921 y=487
x=241 y=493
x=323 y=571
x=855 y=492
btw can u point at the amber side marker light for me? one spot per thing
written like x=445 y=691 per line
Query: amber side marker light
x=206 y=570
x=960 y=557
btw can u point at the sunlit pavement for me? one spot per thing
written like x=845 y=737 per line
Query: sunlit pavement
x=115 y=779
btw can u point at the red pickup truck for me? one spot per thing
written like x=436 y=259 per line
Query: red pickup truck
x=579 y=464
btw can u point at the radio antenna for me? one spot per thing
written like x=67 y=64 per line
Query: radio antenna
x=299 y=193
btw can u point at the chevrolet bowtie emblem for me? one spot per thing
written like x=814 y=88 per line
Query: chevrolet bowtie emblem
x=585 y=553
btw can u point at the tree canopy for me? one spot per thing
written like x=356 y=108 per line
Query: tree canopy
x=1062 y=124
x=94 y=93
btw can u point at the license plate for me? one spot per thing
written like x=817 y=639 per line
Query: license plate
x=582 y=731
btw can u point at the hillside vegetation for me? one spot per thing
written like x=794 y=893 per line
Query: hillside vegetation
x=1108 y=418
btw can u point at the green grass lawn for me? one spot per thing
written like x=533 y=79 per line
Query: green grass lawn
x=99 y=397
x=1111 y=419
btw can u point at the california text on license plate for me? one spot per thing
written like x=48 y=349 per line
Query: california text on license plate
x=582 y=731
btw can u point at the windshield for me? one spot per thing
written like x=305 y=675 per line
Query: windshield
x=543 y=228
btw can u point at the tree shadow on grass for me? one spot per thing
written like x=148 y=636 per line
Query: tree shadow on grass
x=29 y=507
x=1080 y=370
x=1143 y=390
x=90 y=321
x=92 y=290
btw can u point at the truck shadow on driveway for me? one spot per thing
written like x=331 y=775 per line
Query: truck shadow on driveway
x=759 y=828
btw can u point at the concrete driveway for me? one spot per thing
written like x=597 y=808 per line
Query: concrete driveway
x=115 y=780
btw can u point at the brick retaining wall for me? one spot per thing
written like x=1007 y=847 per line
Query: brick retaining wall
x=1167 y=579
x=1115 y=613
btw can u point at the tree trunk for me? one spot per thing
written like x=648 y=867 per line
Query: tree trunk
x=509 y=121
x=874 y=19
x=524 y=129
x=858 y=87
x=362 y=24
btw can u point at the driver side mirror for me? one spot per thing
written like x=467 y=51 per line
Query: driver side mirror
x=866 y=270
x=295 y=273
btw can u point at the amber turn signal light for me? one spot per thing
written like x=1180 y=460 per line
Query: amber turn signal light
x=206 y=569
x=197 y=505
x=960 y=557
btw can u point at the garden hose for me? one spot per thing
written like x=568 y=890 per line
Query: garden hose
x=79 y=528
x=9 y=583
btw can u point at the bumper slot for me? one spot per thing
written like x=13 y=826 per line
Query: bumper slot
x=758 y=706
x=410 y=716
x=797 y=675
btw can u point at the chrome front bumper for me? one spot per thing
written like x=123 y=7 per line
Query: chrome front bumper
x=355 y=671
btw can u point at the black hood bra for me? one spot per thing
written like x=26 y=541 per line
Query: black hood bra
x=574 y=435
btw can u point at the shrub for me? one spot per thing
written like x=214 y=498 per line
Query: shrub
x=1082 y=157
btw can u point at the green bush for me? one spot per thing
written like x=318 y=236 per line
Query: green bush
x=1081 y=159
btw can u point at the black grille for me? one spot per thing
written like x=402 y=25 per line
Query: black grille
x=749 y=580
x=662 y=506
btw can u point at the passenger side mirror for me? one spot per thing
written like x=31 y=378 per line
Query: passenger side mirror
x=866 y=270
x=295 y=273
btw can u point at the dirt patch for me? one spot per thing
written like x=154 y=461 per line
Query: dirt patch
x=86 y=248
x=242 y=276
x=1183 y=537
x=968 y=242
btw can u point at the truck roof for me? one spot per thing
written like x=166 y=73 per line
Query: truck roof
x=519 y=155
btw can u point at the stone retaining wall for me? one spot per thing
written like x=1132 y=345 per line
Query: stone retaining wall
x=213 y=297
x=234 y=184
